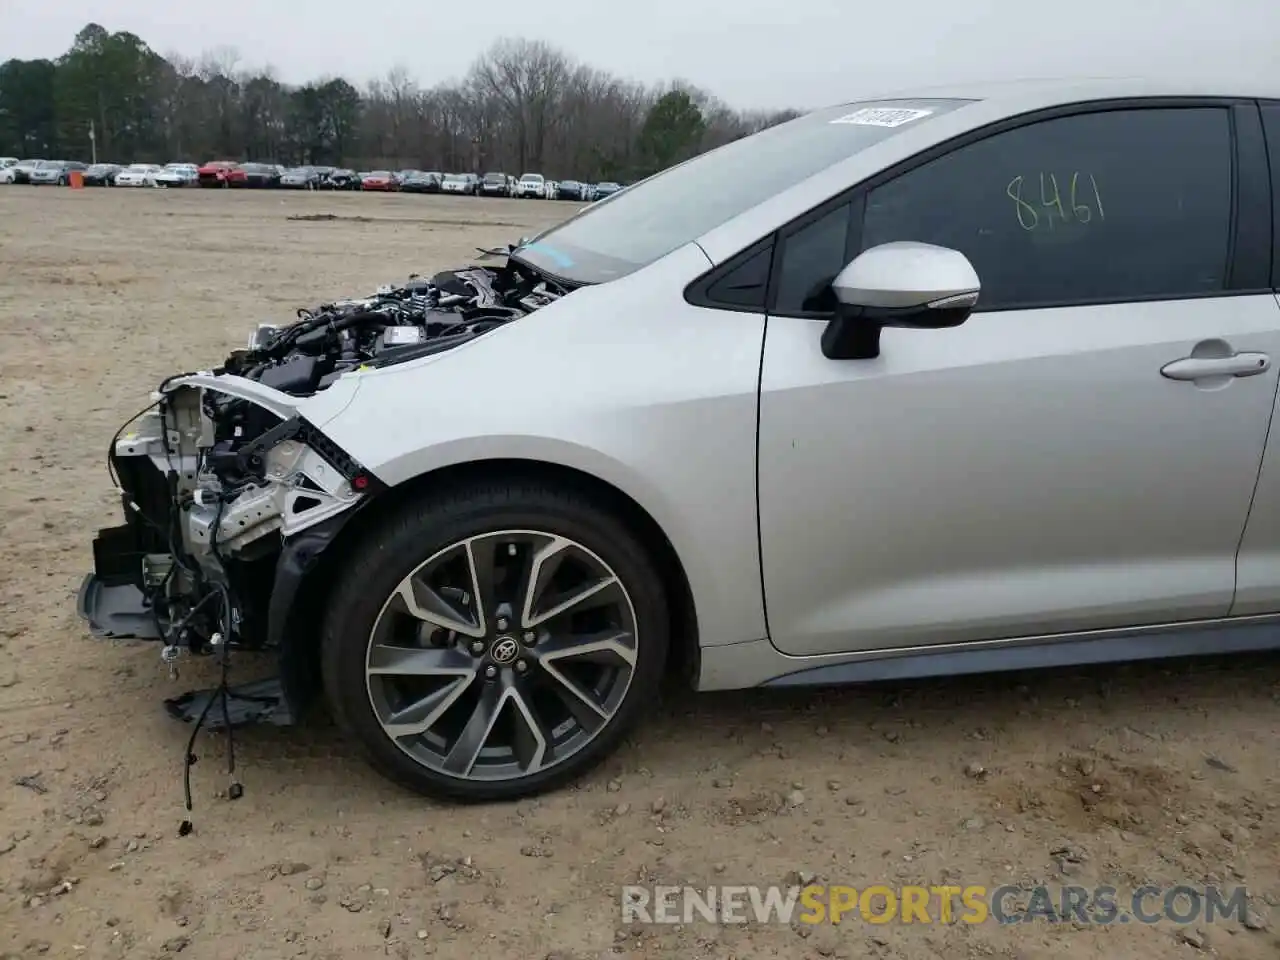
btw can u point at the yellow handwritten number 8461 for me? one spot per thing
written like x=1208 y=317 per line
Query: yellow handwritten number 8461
x=1051 y=200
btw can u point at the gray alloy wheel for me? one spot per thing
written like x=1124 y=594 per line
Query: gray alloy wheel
x=502 y=655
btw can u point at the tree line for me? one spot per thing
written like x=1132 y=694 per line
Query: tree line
x=522 y=106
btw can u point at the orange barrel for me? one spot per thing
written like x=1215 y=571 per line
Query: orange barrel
x=76 y=180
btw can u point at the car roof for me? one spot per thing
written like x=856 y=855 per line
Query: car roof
x=1053 y=91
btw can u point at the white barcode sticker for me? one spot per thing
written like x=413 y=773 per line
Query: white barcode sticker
x=882 y=116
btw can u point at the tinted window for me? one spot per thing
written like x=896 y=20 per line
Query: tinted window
x=1104 y=206
x=811 y=258
x=745 y=285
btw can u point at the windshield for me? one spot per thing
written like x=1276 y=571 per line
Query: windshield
x=454 y=177
x=532 y=178
x=495 y=178
x=638 y=225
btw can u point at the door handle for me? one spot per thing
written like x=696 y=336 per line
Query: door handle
x=1202 y=368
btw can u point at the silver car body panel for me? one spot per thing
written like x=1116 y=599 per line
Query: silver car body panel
x=759 y=663
x=1028 y=472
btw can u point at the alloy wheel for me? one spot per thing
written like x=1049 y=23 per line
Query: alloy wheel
x=502 y=655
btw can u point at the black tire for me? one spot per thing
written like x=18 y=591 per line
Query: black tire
x=398 y=545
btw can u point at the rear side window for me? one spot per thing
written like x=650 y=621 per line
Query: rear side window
x=1098 y=207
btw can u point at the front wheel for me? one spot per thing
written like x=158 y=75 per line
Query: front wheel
x=494 y=643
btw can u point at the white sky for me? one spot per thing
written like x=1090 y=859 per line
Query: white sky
x=751 y=53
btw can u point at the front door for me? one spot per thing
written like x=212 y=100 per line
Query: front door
x=1039 y=469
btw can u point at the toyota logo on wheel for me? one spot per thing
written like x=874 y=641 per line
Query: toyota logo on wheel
x=504 y=650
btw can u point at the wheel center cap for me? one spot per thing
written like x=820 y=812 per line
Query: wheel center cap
x=504 y=650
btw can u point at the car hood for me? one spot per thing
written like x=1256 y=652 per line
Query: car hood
x=572 y=347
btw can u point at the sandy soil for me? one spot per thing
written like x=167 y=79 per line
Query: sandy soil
x=1148 y=774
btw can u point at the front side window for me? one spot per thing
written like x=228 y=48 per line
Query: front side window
x=1108 y=206
x=810 y=259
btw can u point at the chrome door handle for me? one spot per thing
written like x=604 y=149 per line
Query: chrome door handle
x=1201 y=368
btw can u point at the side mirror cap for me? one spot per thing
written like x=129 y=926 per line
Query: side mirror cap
x=899 y=284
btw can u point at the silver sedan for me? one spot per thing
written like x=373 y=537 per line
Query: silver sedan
x=976 y=379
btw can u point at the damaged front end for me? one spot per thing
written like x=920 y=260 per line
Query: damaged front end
x=230 y=493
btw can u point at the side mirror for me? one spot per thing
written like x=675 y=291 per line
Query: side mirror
x=900 y=284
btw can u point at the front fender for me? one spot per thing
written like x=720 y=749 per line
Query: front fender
x=667 y=418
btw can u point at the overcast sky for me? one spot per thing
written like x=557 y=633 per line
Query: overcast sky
x=752 y=53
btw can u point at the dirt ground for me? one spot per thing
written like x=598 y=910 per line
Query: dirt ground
x=1148 y=774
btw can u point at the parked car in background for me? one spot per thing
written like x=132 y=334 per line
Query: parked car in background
x=215 y=173
x=7 y=162
x=138 y=175
x=57 y=172
x=606 y=189
x=258 y=175
x=465 y=183
x=300 y=178
x=102 y=174
x=45 y=172
x=572 y=190
x=20 y=172
x=420 y=181
x=531 y=185
x=495 y=185
x=177 y=175
x=341 y=178
x=380 y=180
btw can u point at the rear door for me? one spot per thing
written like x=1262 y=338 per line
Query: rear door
x=1038 y=470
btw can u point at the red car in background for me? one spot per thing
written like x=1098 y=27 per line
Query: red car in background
x=383 y=180
x=215 y=173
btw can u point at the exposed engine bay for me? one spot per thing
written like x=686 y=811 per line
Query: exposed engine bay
x=398 y=323
x=229 y=495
